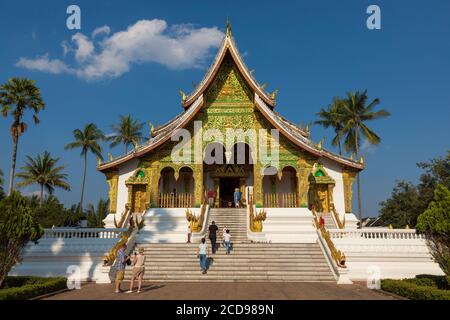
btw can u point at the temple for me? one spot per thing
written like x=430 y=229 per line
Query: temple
x=229 y=101
x=294 y=221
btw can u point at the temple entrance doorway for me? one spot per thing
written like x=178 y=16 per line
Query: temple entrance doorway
x=227 y=187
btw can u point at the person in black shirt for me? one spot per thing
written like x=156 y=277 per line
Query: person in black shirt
x=213 y=236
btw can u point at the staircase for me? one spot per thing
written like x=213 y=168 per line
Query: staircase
x=233 y=219
x=329 y=221
x=247 y=262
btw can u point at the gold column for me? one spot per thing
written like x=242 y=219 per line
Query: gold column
x=112 y=179
x=303 y=172
x=348 y=177
x=330 y=196
x=217 y=192
x=198 y=180
x=154 y=184
x=130 y=196
x=257 y=185
x=242 y=188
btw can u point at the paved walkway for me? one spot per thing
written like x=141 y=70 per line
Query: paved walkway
x=228 y=291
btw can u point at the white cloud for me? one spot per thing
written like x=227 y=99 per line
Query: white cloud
x=44 y=64
x=177 y=47
x=66 y=47
x=101 y=30
x=84 y=49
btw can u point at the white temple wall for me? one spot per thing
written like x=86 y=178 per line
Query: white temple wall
x=125 y=172
x=334 y=170
x=386 y=256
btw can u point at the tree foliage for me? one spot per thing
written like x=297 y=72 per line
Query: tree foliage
x=435 y=223
x=42 y=170
x=2 y=193
x=52 y=213
x=17 y=226
x=408 y=201
x=127 y=132
x=95 y=216
x=332 y=117
x=17 y=96
x=88 y=141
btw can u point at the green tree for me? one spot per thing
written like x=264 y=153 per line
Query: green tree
x=17 y=96
x=52 y=213
x=2 y=193
x=408 y=201
x=42 y=170
x=332 y=117
x=127 y=132
x=403 y=207
x=95 y=216
x=435 y=223
x=88 y=141
x=17 y=226
x=355 y=113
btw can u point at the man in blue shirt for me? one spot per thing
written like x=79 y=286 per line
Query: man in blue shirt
x=237 y=198
x=119 y=266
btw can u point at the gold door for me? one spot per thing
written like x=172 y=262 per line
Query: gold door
x=322 y=199
x=138 y=201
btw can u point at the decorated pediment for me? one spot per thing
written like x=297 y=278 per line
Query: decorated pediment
x=139 y=177
x=230 y=170
x=319 y=175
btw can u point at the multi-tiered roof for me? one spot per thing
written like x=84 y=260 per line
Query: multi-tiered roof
x=263 y=101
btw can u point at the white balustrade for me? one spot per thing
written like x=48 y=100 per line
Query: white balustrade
x=375 y=234
x=113 y=233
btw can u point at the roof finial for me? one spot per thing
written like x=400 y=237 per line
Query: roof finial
x=273 y=95
x=183 y=95
x=228 y=27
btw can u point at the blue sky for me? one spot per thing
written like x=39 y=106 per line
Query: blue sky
x=312 y=51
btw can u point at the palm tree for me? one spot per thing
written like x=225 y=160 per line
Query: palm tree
x=128 y=132
x=18 y=95
x=95 y=216
x=1 y=184
x=332 y=117
x=88 y=141
x=355 y=112
x=43 y=170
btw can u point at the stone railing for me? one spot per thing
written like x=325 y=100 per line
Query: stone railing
x=124 y=218
x=375 y=234
x=82 y=233
x=339 y=223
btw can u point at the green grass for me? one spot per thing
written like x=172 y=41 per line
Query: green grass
x=23 y=288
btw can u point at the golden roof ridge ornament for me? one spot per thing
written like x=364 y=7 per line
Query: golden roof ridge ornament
x=228 y=28
x=152 y=129
x=274 y=94
x=183 y=96
x=362 y=159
